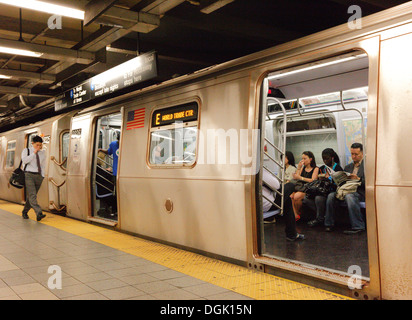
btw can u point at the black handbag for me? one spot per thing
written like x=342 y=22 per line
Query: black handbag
x=300 y=186
x=17 y=178
x=318 y=188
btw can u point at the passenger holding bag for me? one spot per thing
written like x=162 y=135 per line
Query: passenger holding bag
x=325 y=183
x=355 y=192
x=306 y=172
x=318 y=190
x=34 y=159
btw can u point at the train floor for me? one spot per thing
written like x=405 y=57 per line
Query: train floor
x=330 y=250
x=60 y=258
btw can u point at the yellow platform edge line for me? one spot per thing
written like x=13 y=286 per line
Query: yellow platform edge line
x=250 y=283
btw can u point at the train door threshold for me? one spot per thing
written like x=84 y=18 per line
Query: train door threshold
x=106 y=222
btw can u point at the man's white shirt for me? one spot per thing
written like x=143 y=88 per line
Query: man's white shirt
x=31 y=161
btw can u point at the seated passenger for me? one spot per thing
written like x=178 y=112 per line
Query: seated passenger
x=307 y=172
x=290 y=167
x=357 y=171
x=331 y=160
x=270 y=184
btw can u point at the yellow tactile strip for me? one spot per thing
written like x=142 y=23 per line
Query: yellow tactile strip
x=257 y=285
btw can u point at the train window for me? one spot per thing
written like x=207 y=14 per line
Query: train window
x=173 y=136
x=29 y=139
x=65 y=142
x=10 y=154
x=100 y=143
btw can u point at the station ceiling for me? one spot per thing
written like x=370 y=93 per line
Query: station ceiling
x=188 y=35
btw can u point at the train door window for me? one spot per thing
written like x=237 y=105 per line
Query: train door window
x=173 y=136
x=64 y=143
x=326 y=107
x=106 y=152
x=10 y=153
x=29 y=139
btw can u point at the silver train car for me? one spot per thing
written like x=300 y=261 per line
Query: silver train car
x=192 y=151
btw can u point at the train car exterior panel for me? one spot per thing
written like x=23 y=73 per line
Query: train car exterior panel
x=199 y=216
x=394 y=112
x=79 y=160
x=57 y=171
x=393 y=175
x=200 y=191
x=8 y=192
x=20 y=137
x=395 y=228
x=222 y=109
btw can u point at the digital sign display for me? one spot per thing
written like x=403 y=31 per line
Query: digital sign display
x=134 y=71
x=183 y=113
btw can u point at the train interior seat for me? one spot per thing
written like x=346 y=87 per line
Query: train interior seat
x=270 y=214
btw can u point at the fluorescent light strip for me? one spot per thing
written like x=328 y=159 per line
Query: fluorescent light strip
x=46 y=7
x=114 y=72
x=316 y=66
x=20 y=52
x=2 y=76
x=215 y=6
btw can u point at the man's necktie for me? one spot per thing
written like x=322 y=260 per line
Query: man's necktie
x=38 y=162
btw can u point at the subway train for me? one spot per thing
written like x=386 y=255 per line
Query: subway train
x=191 y=152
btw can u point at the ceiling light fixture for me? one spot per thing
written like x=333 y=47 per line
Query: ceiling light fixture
x=46 y=7
x=215 y=6
x=2 y=76
x=20 y=52
x=316 y=65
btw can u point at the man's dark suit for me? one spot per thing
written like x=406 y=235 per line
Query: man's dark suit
x=361 y=174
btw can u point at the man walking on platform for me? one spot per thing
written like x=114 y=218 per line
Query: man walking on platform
x=33 y=159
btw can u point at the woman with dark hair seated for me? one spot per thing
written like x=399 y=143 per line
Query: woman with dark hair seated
x=307 y=172
x=290 y=167
x=318 y=204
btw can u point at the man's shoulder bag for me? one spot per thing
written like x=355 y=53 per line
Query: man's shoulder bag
x=17 y=177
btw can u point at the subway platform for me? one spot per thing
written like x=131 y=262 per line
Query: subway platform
x=60 y=258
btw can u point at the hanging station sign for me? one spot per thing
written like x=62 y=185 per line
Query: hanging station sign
x=134 y=71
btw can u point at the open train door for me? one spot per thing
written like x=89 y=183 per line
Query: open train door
x=106 y=150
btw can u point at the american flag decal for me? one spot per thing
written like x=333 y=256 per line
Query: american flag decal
x=135 y=119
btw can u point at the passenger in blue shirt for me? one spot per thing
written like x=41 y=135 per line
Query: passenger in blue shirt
x=113 y=151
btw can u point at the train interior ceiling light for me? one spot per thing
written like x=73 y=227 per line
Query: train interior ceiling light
x=46 y=7
x=317 y=65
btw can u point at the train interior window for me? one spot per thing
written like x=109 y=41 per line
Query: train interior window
x=173 y=136
x=104 y=188
x=326 y=107
x=10 y=153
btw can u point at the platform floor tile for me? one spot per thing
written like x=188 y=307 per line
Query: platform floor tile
x=99 y=263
